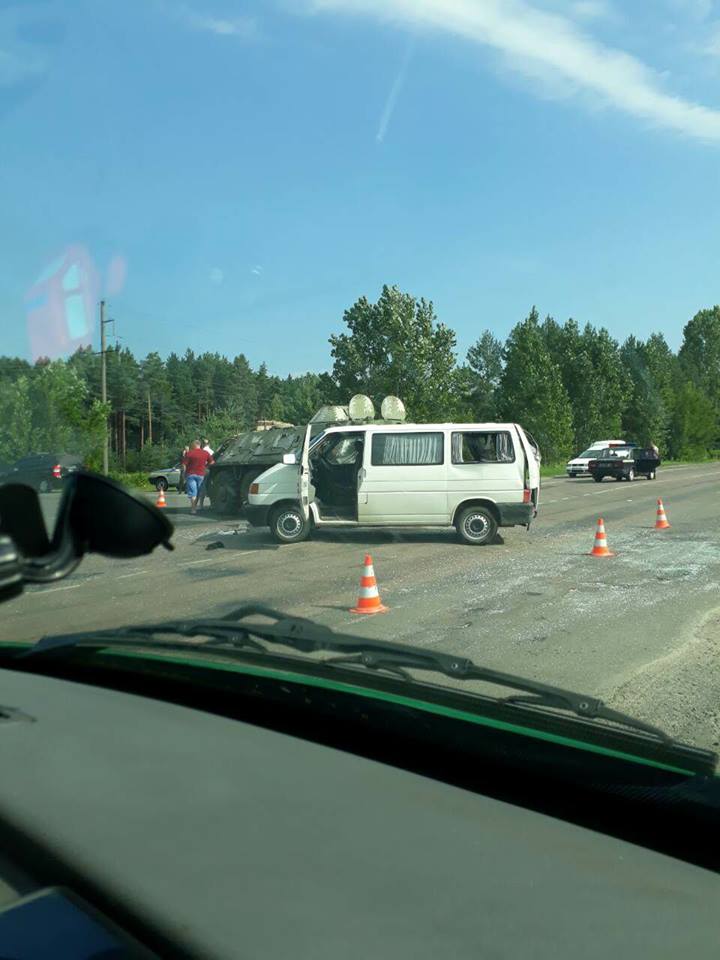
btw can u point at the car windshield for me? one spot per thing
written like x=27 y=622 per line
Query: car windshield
x=472 y=235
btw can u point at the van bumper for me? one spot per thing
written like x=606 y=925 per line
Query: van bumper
x=516 y=514
x=256 y=514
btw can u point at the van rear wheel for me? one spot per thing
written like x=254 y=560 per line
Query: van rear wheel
x=476 y=526
x=288 y=525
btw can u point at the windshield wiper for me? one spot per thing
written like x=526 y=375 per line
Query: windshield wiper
x=233 y=635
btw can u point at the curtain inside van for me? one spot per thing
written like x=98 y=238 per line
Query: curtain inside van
x=407 y=449
x=481 y=447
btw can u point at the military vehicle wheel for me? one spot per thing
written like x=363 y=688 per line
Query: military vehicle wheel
x=288 y=525
x=224 y=495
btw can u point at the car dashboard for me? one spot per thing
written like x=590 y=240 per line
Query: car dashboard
x=197 y=835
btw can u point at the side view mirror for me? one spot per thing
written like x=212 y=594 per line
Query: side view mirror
x=106 y=518
x=95 y=515
x=289 y=458
x=11 y=576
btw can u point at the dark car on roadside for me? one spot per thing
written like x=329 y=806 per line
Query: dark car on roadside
x=625 y=463
x=44 y=472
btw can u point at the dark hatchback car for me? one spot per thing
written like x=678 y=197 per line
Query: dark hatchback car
x=42 y=471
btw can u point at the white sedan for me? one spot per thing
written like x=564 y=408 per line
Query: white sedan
x=578 y=466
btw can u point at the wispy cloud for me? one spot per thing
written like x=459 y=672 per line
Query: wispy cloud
x=239 y=26
x=547 y=46
x=394 y=92
x=591 y=9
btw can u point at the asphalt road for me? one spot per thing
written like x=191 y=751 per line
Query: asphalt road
x=640 y=629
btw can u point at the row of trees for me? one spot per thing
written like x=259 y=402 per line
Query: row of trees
x=569 y=385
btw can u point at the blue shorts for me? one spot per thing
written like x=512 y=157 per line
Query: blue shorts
x=192 y=485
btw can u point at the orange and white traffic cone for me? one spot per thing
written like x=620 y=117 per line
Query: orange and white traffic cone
x=161 y=502
x=661 y=523
x=369 y=598
x=600 y=547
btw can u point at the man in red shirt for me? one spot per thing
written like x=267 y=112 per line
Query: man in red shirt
x=196 y=462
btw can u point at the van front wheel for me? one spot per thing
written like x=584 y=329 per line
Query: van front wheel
x=476 y=525
x=288 y=525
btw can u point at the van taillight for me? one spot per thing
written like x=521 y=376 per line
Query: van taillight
x=526 y=495
x=254 y=488
x=57 y=471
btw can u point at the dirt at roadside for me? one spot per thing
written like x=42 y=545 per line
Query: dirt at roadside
x=680 y=692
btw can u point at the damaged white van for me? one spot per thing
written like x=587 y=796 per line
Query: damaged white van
x=475 y=477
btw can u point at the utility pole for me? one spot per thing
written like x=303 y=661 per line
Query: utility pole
x=103 y=381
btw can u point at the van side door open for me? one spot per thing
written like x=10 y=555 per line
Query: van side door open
x=335 y=471
x=303 y=479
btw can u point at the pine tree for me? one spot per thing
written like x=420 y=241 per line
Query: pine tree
x=531 y=390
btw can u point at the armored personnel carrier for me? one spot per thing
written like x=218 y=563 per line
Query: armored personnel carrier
x=243 y=458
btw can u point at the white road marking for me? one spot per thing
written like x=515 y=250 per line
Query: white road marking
x=135 y=573
x=68 y=586
x=192 y=563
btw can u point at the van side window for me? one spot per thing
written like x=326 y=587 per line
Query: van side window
x=346 y=451
x=482 y=447
x=407 y=449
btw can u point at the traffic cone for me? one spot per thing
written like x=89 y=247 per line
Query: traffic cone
x=661 y=523
x=161 y=502
x=600 y=547
x=369 y=598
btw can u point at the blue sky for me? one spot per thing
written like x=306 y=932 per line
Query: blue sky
x=250 y=169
